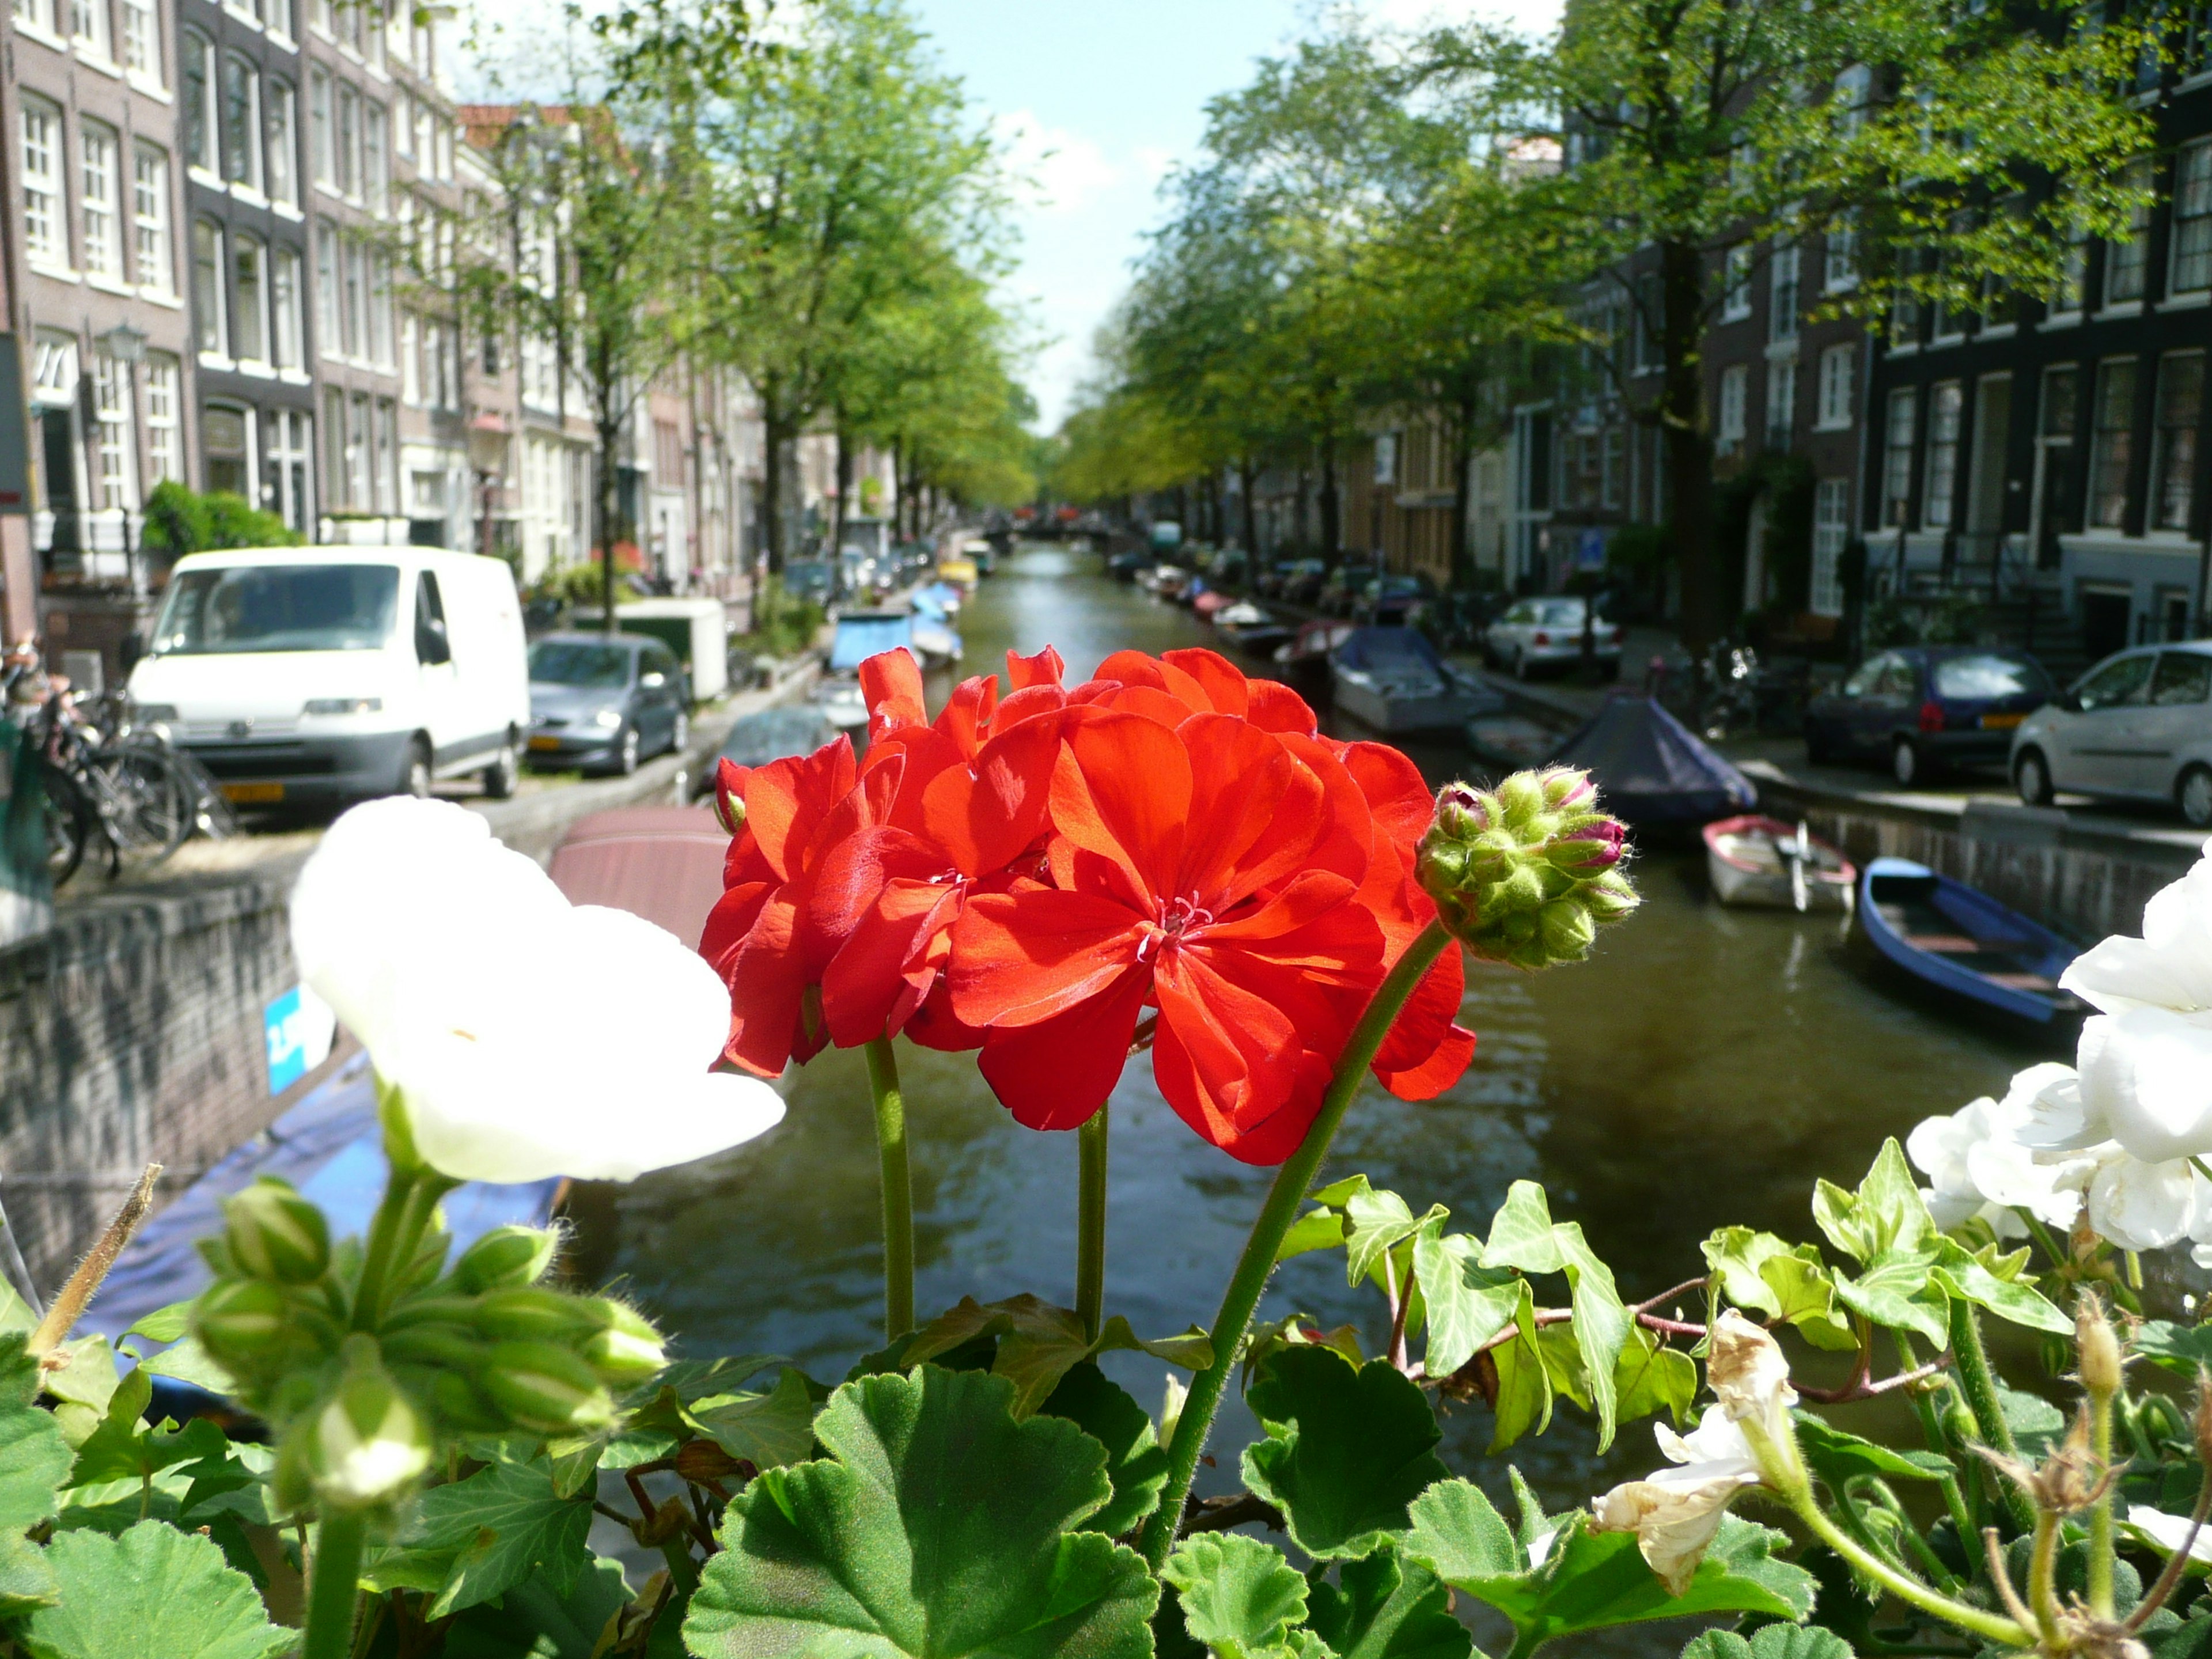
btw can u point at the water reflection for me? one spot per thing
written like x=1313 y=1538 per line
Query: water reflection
x=1701 y=1069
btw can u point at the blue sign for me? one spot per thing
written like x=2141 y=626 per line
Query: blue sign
x=1589 y=552
x=297 y=1028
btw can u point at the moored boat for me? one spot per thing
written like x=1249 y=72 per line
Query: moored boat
x=1960 y=940
x=1392 y=679
x=1651 y=770
x=1248 y=628
x=1304 y=661
x=1756 y=860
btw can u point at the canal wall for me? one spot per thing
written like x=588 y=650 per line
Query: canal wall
x=135 y=1030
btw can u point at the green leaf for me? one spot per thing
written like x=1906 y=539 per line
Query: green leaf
x=1900 y=1292
x=1038 y=1343
x=1887 y=1215
x=1788 y=1283
x=771 y=1429
x=1964 y=1274
x=2036 y=1423
x=1192 y=1350
x=1770 y=1642
x=153 y=1590
x=498 y=1526
x=1240 y=1597
x=1521 y=1234
x=1347 y=1450
x=1376 y=1222
x=163 y=1324
x=35 y=1458
x=1467 y=1303
x=1651 y=1376
x=15 y=1314
x=1524 y=1380
x=2174 y=1348
x=26 y=1581
x=535 y=1621
x=1837 y=1457
x=1136 y=1462
x=1602 y=1322
x=940 y=1525
x=188 y=1362
x=122 y=1447
x=84 y=1386
x=1459 y=1536
x=1384 y=1606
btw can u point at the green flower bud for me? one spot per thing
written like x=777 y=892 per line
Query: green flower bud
x=243 y=1322
x=1527 y=873
x=367 y=1443
x=275 y=1233
x=546 y=1389
x=527 y=1313
x=446 y=1347
x=462 y=1406
x=507 y=1258
x=628 y=1351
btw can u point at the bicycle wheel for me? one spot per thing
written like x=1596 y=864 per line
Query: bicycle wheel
x=151 y=804
x=69 y=825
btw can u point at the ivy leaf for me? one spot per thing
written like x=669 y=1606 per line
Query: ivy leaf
x=771 y=1429
x=163 y=1325
x=1375 y=1224
x=1524 y=1380
x=1240 y=1597
x=152 y=1590
x=122 y=1447
x=1900 y=1292
x=1037 y=1344
x=188 y=1362
x=1467 y=1303
x=1837 y=1456
x=1651 y=1376
x=1136 y=1462
x=1886 y=1216
x=35 y=1458
x=1788 y=1283
x=1385 y=1607
x=1965 y=1275
x=498 y=1526
x=1769 y=1641
x=1347 y=1450
x=939 y=1525
x=1521 y=1233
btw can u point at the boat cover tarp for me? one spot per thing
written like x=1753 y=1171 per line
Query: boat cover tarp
x=1388 y=650
x=1651 y=769
x=860 y=638
x=775 y=734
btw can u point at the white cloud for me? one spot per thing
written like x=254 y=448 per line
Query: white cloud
x=1065 y=170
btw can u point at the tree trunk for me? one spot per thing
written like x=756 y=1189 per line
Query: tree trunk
x=842 y=510
x=772 y=493
x=1251 y=514
x=610 y=451
x=1689 y=445
x=1461 y=562
x=1332 y=514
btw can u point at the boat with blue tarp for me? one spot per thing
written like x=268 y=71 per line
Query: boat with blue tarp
x=1651 y=769
x=1959 y=939
x=1392 y=679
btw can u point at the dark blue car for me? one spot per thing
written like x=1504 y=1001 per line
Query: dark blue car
x=1919 y=709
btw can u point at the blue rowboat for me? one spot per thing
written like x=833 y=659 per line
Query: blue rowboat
x=1959 y=939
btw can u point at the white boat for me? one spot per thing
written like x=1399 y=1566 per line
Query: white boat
x=1757 y=861
x=1392 y=679
x=1250 y=627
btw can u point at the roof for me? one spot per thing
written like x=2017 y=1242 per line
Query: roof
x=226 y=556
x=664 y=863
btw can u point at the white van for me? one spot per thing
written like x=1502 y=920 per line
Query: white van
x=317 y=674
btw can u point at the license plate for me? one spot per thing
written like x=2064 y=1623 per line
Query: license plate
x=2001 y=722
x=542 y=744
x=253 y=794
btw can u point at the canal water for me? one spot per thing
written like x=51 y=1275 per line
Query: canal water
x=1701 y=1069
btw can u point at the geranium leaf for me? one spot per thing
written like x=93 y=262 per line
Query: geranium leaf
x=2174 y=1348
x=1347 y=1449
x=1240 y=1597
x=124 y=1449
x=1769 y=1641
x=1385 y=1607
x=1037 y=1343
x=535 y=1621
x=153 y=1590
x=2035 y=1423
x=163 y=1324
x=1467 y=1303
x=940 y=1525
x=1459 y=1536
x=1192 y=1350
x=26 y=1581
x=1837 y=1457
x=35 y=1458
x=770 y=1429
x=188 y=1362
x=498 y=1526
x=1136 y=1462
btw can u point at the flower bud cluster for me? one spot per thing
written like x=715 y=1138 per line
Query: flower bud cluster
x=483 y=1348
x=1527 y=873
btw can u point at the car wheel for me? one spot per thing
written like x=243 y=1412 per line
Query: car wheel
x=680 y=735
x=626 y=749
x=2031 y=776
x=1905 y=763
x=500 y=777
x=414 y=771
x=2194 y=796
x=1816 y=744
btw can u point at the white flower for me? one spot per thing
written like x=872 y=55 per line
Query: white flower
x=1674 y=1512
x=528 y=1036
x=1992 y=1158
x=2170 y=967
x=2164 y=1532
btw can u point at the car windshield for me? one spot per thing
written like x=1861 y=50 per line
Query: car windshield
x=1990 y=675
x=278 y=607
x=580 y=663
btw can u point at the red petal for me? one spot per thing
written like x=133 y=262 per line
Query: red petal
x=1224 y=685
x=1241 y=1050
x=1123 y=789
x=1025 y=704
x=1442 y=1068
x=1424 y=1052
x=768 y=988
x=730 y=921
x=853 y=872
x=968 y=711
x=1398 y=799
x=1345 y=835
x=883 y=962
x=1044 y=669
x=1018 y=959
x=1276 y=707
x=786 y=799
x=1056 y=1074
x=986 y=817
x=1240 y=777
x=934 y=1025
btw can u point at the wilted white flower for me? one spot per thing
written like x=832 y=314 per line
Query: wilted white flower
x=1744 y=1440
x=527 y=1036
x=2164 y=1532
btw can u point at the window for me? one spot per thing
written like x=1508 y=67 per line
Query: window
x=1834 y=390
x=336 y=491
x=291 y=441
x=411 y=360
x=2182 y=677
x=1735 y=281
x=1848 y=100
x=1780 y=402
x=284 y=133
x=1782 y=291
x=241 y=123
x=387 y=456
x=423 y=144
x=347 y=140
x=142 y=40
x=1840 y=258
x=376 y=171
x=277 y=14
x=2112 y=443
x=2192 y=221
x=165 y=454
x=2124 y=261
x=250 y=295
x=2174 y=456
x=380 y=310
x=1898 y=432
x=45 y=241
x=88 y=28
x=35 y=14
x=324 y=152
x=1729 y=427
x=358 y=487
x=198 y=53
x=402 y=121
x=2117 y=683
x=318 y=12
x=444 y=135
x=149 y=212
x=103 y=218
x=354 y=298
x=286 y=348
x=206 y=287
x=372 y=28
x=111 y=423
x=330 y=335
x=1947 y=401
x=1832 y=529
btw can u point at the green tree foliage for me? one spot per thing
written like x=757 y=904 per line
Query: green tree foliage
x=181 y=520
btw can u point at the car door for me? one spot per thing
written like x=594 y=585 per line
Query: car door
x=442 y=713
x=657 y=675
x=2177 y=720
x=1886 y=704
x=2102 y=737
x=1510 y=631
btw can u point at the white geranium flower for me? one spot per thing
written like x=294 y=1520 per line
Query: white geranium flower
x=2164 y=1532
x=1989 y=1158
x=1674 y=1512
x=2170 y=967
x=527 y=1036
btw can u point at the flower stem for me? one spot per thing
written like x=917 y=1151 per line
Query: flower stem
x=898 y=1189
x=1979 y=1385
x=1292 y=1181
x=1090 y=1223
x=384 y=1246
x=333 y=1586
x=2100 y=1513
x=1990 y=1626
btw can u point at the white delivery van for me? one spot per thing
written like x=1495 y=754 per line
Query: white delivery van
x=315 y=674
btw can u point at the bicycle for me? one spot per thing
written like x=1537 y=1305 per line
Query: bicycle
x=105 y=781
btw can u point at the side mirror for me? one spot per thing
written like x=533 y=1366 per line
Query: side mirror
x=132 y=650
x=2067 y=701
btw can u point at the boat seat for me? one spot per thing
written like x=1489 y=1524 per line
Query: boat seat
x=1948 y=944
x=2021 y=982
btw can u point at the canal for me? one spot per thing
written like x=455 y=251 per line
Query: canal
x=1701 y=1069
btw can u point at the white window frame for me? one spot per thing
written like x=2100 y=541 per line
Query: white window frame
x=322 y=128
x=46 y=188
x=2189 y=259
x=165 y=451
x=250 y=298
x=1780 y=402
x=330 y=327
x=210 y=311
x=1735 y=283
x=1784 y=291
x=37 y=18
x=2103 y=440
x=2156 y=517
x=375 y=157
x=141 y=42
x=100 y=207
x=89 y=26
x=287 y=286
x=2138 y=245
x=153 y=246
x=245 y=154
x=1729 y=432
x=1839 y=254
x=282 y=134
x=1947 y=408
x=194 y=47
x=116 y=480
x=1832 y=393
x=1831 y=533
x=1900 y=435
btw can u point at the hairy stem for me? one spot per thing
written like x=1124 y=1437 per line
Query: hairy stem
x=61 y=1318
x=1979 y=1385
x=898 y=1189
x=333 y=1586
x=2100 y=1513
x=1291 y=1183
x=1979 y=1620
x=1090 y=1223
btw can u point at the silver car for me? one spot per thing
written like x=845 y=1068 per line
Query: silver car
x=2137 y=726
x=1546 y=633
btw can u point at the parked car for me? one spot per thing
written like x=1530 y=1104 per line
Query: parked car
x=606 y=702
x=811 y=578
x=1394 y=601
x=333 y=674
x=1343 y=586
x=2137 y=726
x=1545 y=633
x=1922 y=708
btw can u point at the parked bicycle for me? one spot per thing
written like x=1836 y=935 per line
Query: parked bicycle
x=1746 y=696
